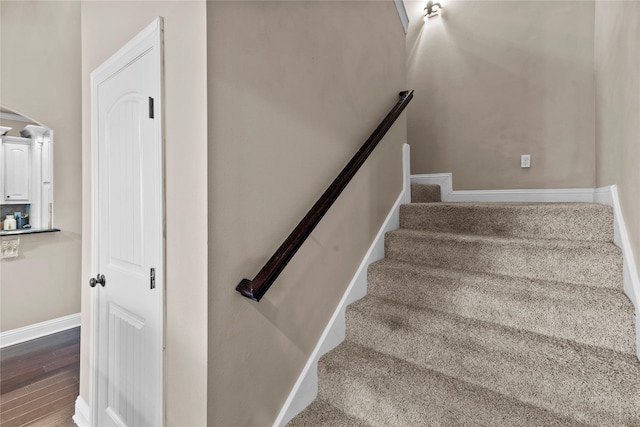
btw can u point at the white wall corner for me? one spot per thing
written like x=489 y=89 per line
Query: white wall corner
x=81 y=416
x=305 y=389
x=30 y=332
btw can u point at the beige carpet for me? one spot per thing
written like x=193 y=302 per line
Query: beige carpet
x=487 y=314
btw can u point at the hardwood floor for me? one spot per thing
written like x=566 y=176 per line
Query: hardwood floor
x=39 y=381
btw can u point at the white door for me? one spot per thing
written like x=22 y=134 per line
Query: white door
x=127 y=346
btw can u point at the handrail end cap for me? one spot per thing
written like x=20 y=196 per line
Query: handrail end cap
x=245 y=287
x=405 y=93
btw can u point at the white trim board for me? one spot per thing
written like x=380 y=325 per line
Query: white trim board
x=445 y=181
x=30 y=332
x=305 y=389
x=604 y=195
x=631 y=280
x=81 y=416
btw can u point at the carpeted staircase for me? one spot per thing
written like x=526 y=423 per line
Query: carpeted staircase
x=487 y=314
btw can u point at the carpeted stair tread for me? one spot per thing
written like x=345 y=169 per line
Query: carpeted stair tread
x=575 y=221
x=590 y=384
x=588 y=315
x=388 y=391
x=487 y=314
x=425 y=193
x=578 y=262
x=322 y=414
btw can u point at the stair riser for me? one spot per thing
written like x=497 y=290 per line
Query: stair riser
x=554 y=375
x=354 y=381
x=592 y=223
x=425 y=193
x=322 y=414
x=604 y=264
x=591 y=317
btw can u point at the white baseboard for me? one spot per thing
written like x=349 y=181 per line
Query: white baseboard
x=445 y=180
x=81 y=416
x=27 y=333
x=604 y=195
x=305 y=389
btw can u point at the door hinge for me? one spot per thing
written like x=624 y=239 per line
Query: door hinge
x=151 y=112
x=153 y=278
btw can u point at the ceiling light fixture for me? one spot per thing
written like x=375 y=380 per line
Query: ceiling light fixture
x=432 y=9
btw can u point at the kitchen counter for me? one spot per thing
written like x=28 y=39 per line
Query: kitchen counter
x=27 y=231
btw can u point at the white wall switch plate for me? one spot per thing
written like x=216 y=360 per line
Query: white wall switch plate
x=525 y=161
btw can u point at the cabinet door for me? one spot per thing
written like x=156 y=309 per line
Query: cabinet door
x=17 y=167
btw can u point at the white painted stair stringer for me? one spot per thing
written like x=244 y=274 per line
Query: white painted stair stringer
x=631 y=280
x=305 y=389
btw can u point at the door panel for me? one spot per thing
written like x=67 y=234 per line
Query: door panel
x=125 y=366
x=125 y=178
x=129 y=244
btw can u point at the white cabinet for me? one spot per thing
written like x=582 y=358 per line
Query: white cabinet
x=15 y=181
x=26 y=173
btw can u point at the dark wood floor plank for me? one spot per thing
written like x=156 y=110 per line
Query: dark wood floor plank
x=64 y=381
x=62 y=362
x=39 y=381
x=37 y=357
x=45 y=382
x=41 y=411
x=21 y=378
x=15 y=394
x=13 y=369
x=67 y=350
x=36 y=403
x=30 y=363
x=61 y=418
x=71 y=372
x=48 y=342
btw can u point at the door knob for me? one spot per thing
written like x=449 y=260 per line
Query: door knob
x=98 y=279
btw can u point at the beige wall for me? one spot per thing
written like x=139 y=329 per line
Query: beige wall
x=39 y=78
x=617 y=62
x=294 y=89
x=497 y=79
x=186 y=186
